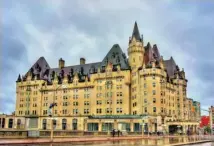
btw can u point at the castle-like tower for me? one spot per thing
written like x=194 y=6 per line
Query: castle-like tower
x=119 y=92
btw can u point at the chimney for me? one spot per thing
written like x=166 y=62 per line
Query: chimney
x=82 y=61
x=61 y=63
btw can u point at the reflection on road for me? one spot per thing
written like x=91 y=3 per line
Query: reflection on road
x=142 y=142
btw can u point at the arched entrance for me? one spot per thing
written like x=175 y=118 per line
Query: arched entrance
x=3 y=123
x=64 y=124
x=54 y=124
x=44 y=124
x=10 y=123
x=18 y=123
x=74 y=124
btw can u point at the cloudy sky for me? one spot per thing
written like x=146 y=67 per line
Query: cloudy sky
x=88 y=28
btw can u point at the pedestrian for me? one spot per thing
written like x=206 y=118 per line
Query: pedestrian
x=118 y=132
x=113 y=132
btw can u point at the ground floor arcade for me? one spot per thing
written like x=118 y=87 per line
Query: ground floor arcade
x=129 y=123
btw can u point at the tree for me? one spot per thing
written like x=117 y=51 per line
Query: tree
x=207 y=129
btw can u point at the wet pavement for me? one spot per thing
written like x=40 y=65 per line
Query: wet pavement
x=136 y=142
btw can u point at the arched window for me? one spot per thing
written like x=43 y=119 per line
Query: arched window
x=10 y=123
x=44 y=124
x=64 y=124
x=18 y=123
x=54 y=123
x=3 y=122
x=74 y=124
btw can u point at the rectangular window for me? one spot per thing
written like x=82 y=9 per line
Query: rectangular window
x=119 y=110
x=121 y=94
x=161 y=101
x=145 y=93
x=75 y=111
x=86 y=111
x=154 y=109
x=153 y=92
x=144 y=85
x=99 y=111
x=99 y=102
x=145 y=109
x=154 y=100
x=153 y=84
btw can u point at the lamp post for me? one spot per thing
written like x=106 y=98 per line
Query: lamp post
x=211 y=121
x=54 y=104
x=143 y=120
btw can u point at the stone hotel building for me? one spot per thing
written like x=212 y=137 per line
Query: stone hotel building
x=142 y=90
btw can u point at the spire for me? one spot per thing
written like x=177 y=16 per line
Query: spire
x=136 y=33
x=19 y=78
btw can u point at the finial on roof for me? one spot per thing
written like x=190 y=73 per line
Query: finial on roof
x=154 y=46
x=148 y=45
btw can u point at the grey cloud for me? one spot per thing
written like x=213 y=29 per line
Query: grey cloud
x=91 y=28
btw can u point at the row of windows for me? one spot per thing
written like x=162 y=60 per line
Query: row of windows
x=119 y=101
x=117 y=79
x=26 y=105
x=27 y=99
x=109 y=110
x=109 y=94
x=153 y=92
x=66 y=91
x=154 y=110
x=27 y=87
x=86 y=111
x=86 y=102
x=34 y=112
x=109 y=87
x=153 y=85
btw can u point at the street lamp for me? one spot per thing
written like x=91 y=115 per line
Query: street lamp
x=143 y=120
x=143 y=125
x=211 y=120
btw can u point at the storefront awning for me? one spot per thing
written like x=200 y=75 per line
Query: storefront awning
x=116 y=117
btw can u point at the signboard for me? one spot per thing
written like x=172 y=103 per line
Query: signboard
x=33 y=123
x=33 y=133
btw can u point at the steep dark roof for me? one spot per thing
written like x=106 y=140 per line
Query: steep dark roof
x=156 y=52
x=39 y=67
x=148 y=53
x=87 y=69
x=136 y=32
x=116 y=56
x=19 y=78
x=170 y=66
x=42 y=70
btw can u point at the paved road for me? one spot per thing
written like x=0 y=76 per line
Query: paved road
x=109 y=141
